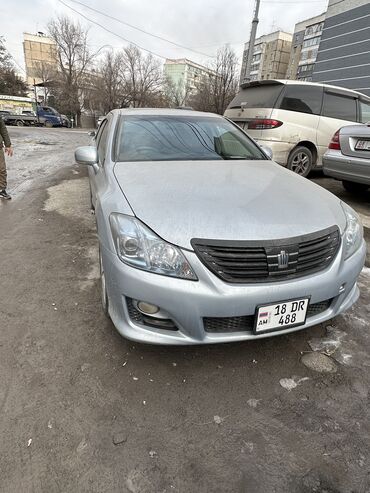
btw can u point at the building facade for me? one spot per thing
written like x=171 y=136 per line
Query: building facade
x=270 y=57
x=40 y=55
x=344 y=53
x=185 y=75
x=305 y=45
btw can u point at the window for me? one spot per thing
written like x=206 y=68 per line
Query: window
x=101 y=140
x=364 y=111
x=311 y=42
x=339 y=106
x=263 y=96
x=182 y=138
x=304 y=99
x=305 y=68
x=308 y=54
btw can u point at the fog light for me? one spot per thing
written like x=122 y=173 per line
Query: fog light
x=147 y=308
x=342 y=288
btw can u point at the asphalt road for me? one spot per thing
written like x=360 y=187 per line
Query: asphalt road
x=84 y=410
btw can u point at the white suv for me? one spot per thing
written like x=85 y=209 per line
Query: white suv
x=296 y=119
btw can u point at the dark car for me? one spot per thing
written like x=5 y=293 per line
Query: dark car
x=66 y=122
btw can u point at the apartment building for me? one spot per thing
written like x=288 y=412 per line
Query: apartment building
x=344 y=54
x=38 y=50
x=270 y=60
x=305 y=45
x=185 y=75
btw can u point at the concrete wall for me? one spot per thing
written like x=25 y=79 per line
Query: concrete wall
x=344 y=52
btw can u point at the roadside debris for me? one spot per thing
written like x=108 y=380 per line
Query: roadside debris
x=253 y=402
x=119 y=438
x=29 y=442
x=319 y=362
x=290 y=383
x=152 y=454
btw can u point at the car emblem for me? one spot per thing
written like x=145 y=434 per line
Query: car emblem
x=283 y=259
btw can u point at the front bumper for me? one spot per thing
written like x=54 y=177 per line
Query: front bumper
x=188 y=302
x=346 y=168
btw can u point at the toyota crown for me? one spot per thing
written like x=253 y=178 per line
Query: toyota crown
x=204 y=239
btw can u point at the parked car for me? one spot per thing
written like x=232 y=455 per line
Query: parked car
x=296 y=119
x=48 y=116
x=66 y=122
x=204 y=239
x=348 y=157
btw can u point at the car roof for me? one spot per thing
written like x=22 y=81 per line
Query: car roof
x=162 y=112
x=300 y=82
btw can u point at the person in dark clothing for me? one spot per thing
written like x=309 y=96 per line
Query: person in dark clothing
x=4 y=142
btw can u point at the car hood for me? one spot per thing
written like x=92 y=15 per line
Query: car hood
x=228 y=200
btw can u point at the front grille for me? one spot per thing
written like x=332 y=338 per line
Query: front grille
x=246 y=323
x=261 y=261
x=148 y=321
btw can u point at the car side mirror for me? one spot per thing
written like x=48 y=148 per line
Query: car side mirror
x=268 y=151
x=87 y=155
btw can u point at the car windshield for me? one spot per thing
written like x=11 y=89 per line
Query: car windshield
x=182 y=138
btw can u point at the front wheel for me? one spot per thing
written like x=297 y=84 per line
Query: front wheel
x=353 y=187
x=19 y=123
x=300 y=160
x=48 y=124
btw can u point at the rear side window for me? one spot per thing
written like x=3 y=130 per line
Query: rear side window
x=303 y=99
x=263 y=96
x=364 y=112
x=340 y=107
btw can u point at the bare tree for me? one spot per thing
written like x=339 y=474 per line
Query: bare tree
x=74 y=59
x=177 y=93
x=46 y=73
x=217 y=89
x=110 y=84
x=141 y=78
x=10 y=82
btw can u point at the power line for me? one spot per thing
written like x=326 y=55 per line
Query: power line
x=111 y=32
x=142 y=30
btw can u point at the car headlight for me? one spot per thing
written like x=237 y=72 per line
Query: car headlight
x=140 y=247
x=353 y=234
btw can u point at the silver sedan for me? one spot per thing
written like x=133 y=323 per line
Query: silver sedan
x=348 y=157
x=204 y=239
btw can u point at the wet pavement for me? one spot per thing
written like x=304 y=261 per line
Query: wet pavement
x=82 y=409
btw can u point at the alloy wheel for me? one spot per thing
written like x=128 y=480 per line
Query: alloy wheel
x=300 y=163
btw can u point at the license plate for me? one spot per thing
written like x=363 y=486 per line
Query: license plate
x=281 y=315
x=363 y=145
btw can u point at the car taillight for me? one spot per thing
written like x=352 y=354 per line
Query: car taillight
x=335 y=143
x=264 y=123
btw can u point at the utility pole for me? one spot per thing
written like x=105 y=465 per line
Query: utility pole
x=35 y=90
x=252 y=39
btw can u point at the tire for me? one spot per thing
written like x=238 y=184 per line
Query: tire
x=48 y=124
x=353 y=187
x=300 y=160
x=19 y=123
x=103 y=287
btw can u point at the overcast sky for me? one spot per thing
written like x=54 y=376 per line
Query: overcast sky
x=203 y=25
